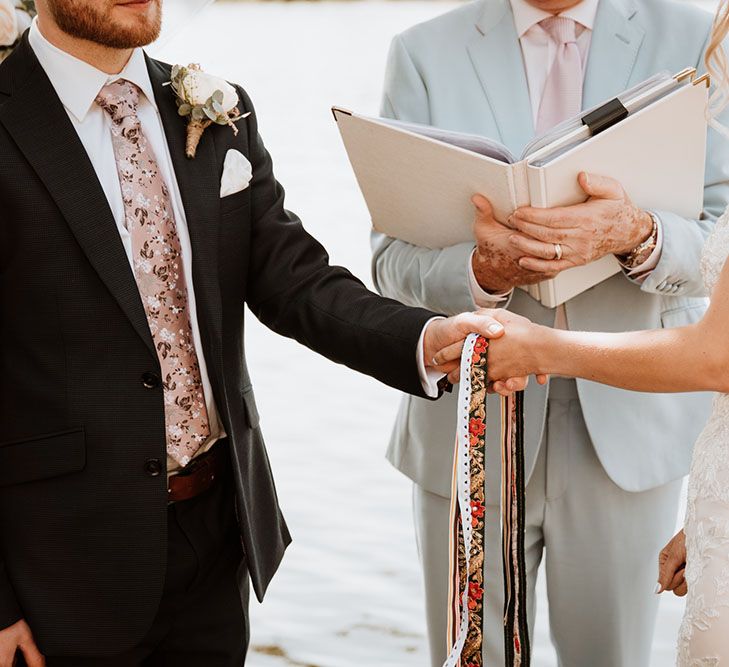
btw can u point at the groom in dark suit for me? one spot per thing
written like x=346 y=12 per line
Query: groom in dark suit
x=136 y=498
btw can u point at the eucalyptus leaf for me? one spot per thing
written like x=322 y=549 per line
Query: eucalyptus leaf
x=218 y=107
x=184 y=109
x=210 y=114
x=198 y=113
x=175 y=71
x=218 y=96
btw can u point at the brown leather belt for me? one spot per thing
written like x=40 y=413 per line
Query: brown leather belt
x=200 y=475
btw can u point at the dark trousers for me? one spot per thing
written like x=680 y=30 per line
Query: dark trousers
x=202 y=619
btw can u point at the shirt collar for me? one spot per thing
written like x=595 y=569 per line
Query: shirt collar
x=526 y=16
x=76 y=82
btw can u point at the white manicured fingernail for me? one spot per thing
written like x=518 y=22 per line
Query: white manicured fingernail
x=659 y=588
x=495 y=328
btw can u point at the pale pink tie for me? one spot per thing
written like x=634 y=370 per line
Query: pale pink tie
x=562 y=98
x=158 y=270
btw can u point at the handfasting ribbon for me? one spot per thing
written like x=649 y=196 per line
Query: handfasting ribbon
x=468 y=519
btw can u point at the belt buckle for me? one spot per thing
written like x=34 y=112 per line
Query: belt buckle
x=203 y=467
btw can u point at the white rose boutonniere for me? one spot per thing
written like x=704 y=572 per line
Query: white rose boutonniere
x=8 y=23
x=204 y=99
x=15 y=19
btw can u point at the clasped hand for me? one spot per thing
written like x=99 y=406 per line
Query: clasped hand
x=511 y=355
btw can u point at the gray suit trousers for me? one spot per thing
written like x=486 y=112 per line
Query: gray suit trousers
x=599 y=543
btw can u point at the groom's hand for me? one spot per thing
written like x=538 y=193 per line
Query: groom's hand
x=444 y=340
x=451 y=333
x=19 y=638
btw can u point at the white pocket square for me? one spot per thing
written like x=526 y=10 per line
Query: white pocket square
x=237 y=173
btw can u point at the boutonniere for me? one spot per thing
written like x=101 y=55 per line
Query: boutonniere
x=204 y=99
x=15 y=18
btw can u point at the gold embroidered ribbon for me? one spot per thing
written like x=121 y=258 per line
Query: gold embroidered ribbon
x=468 y=519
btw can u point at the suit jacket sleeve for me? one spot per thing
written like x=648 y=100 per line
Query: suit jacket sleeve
x=678 y=271
x=293 y=290
x=436 y=279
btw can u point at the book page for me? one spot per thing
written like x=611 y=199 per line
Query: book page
x=470 y=142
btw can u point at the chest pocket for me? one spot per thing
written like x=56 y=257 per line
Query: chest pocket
x=235 y=203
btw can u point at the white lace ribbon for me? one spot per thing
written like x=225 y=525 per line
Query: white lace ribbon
x=462 y=492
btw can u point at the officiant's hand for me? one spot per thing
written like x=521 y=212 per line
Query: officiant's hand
x=672 y=566
x=496 y=260
x=608 y=223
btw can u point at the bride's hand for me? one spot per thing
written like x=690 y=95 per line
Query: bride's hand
x=517 y=356
x=672 y=566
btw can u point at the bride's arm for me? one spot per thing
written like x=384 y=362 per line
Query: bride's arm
x=692 y=358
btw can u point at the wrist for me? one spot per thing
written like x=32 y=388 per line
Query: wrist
x=483 y=271
x=644 y=226
x=428 y=343
x=550 y=351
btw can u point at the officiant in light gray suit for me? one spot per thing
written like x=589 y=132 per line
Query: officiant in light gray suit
x=604 y=465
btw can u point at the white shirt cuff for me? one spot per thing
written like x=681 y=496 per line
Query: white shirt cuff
x=642 y=271
x=482 y=298
x=429 y=377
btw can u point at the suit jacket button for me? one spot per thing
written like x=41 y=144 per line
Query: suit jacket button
x=153 y=467
x=150 y=380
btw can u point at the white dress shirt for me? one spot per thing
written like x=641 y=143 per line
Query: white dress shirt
x=539 y=52
x=77 y=84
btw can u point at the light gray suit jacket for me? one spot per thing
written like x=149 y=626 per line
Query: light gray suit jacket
x=464 y=71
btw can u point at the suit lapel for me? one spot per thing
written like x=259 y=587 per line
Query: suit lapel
x=37 y=121
x=496 y=56
x=614 y=48
x=199 y=182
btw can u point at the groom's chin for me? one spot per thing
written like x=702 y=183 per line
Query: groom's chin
x=136 y=22
x=117 y=24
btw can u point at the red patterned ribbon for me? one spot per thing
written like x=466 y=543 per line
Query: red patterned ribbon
x=468 y=520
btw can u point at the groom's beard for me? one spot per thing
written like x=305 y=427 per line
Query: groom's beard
x=110 y=23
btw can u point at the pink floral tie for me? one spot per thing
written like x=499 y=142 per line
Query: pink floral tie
x=562 y=98
x=158 y=271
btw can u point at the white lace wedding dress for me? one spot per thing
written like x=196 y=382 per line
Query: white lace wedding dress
x=704 y=637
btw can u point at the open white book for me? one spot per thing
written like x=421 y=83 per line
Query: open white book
x=418 y=180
